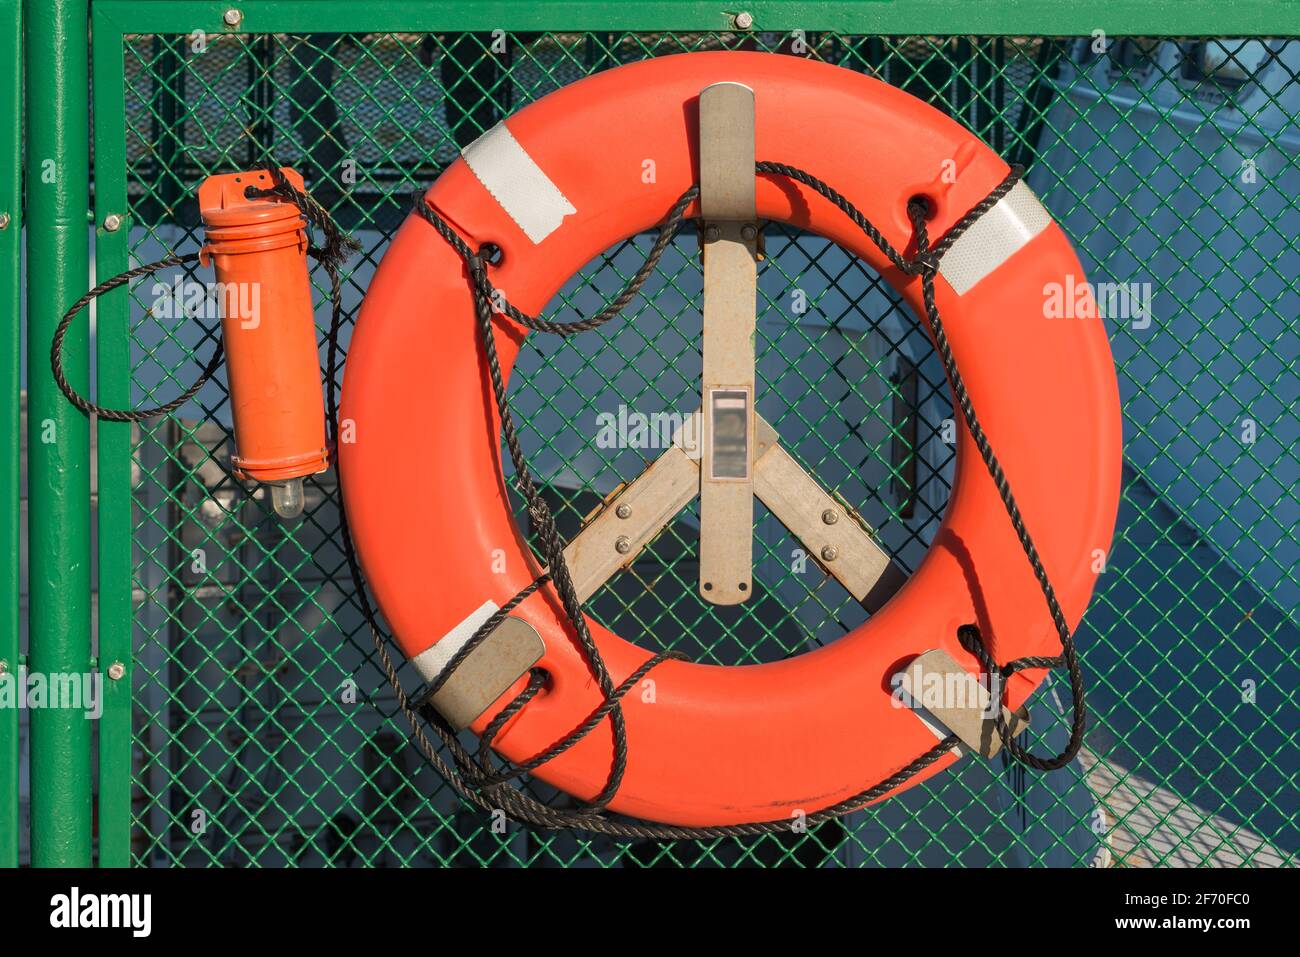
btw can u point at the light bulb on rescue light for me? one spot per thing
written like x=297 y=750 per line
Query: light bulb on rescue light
x=287 y=498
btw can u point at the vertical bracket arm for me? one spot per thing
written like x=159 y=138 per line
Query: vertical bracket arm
x=727 y=207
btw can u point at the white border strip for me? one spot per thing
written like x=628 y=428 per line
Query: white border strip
x=431 y=662
x=515 y=181
x=994 y=238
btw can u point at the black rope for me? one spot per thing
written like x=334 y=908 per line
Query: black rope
x=61 y=332
x=339 y=246
x=475 y=778
x=969 y=635
x=486 y=291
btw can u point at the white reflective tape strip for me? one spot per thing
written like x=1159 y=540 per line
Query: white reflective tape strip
x=994 y=238
x=431 y=662
x=515 y=181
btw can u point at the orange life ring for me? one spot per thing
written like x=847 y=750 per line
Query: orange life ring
x=724 y=745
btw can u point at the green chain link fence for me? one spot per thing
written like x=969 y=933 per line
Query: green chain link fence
x=261 y=730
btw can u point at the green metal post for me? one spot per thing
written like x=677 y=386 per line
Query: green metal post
x=11 y=228
x=113 y=454
x=58 y=147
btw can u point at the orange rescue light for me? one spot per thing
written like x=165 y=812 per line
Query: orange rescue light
x=258 y=248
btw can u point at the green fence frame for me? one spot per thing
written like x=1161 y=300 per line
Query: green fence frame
x=11 y=216
x=57 y=266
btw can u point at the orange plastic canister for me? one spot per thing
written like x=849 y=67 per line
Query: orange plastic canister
x=258 y=248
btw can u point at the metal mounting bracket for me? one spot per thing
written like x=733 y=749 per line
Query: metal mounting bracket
x=935 y=686
x=728 y=209
x=834 y=536
x=614 y=538
x=503 y=658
